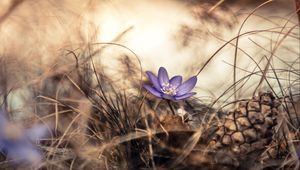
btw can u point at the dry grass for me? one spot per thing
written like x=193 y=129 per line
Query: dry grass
x=101 y=118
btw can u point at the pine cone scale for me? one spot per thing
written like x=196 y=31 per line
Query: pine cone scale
x=247 y=128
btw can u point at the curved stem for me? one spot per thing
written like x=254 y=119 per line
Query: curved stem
x=172 y=109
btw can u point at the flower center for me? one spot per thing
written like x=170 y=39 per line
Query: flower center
x=169 y=89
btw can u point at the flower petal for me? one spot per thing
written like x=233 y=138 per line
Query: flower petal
x=37 y=132
x=153 y=79
x=152 y=90
x=176 y=81
x=187 y=95
x=24 y=153
x=166 y=96
x=163 y=77
x=187 y=86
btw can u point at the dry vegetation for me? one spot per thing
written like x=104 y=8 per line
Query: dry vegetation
x=90 y=95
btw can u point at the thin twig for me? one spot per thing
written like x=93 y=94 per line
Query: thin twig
x=215 y=6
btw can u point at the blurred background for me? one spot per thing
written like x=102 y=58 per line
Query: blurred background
x=179 y=35
x=52 y=52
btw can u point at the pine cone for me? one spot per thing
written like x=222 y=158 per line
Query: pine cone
x=247 y=128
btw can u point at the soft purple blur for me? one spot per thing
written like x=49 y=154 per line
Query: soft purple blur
x=18 y=144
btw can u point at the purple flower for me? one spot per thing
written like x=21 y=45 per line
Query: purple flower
x=17 y=144
x=172 y=89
